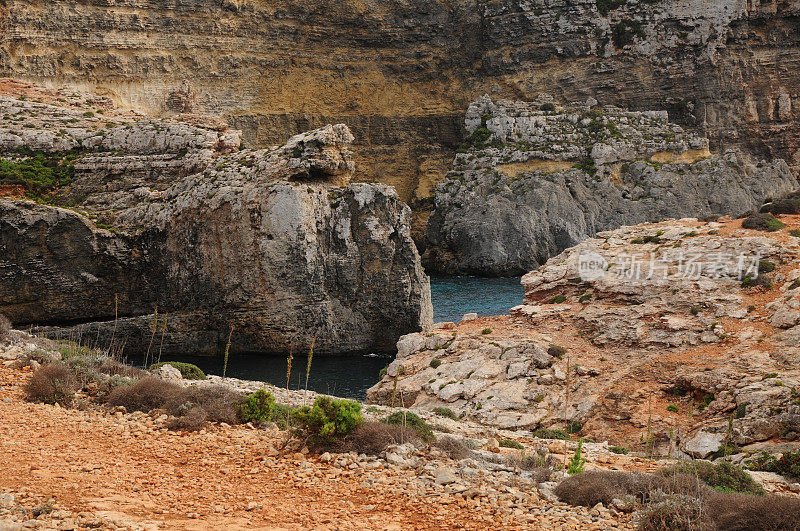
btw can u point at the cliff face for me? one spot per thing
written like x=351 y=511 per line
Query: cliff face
x=171 y=225
x=539 y=177
x=400 y=74
x=673 y=336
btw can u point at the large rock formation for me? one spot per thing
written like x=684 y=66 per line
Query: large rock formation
x=674 y=336
x=174 y=233
x=401 y=73
x=535 y=178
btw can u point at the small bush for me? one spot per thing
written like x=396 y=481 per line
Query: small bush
x=435 y=362
x=746 y=512
x=115 y=368
x=574 y=426
x=602 y=486
x=558 y=299
x=618 y=450
x=257 y=407
x=53 y=383
x=372 y=438
x=508 y=443
x=556 y=351
x=762 y=221
x=675 y=511
x=145 y=395
x=722 y=475
x=694 y=310
x=766 y=266
x=454 y=448
x=673 y=408
x=445 y=412
x=547 y=107
x=486 y=331
x=411 y=420
x=545 y=433
x=220 y=403
x=795 y=233
x=577 y=461
x=788 y=465
x=328 y=419
x=782 y=206
x=188 y=370
x=193 y=420
x=5 y=327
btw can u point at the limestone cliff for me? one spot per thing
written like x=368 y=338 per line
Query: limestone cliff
x=678 y=336
x=537 y=177
x=400 y=74
x=171 y=228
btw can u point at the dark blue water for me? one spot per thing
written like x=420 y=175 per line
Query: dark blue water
x=350 y=375
x=455 y=296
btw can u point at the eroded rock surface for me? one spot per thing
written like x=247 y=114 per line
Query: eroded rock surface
x=172 y=228
x=673 y=333
x=539 y=177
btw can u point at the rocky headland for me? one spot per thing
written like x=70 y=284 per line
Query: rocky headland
x=534 y=178
x=148 y=227
x=678 y=338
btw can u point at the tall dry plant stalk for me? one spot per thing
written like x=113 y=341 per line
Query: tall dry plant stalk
x=114 y=332
x=154 y=328
x=308 y=367
x=566 y=411
x=227 y=351
x=163 y=332
x=288 y=375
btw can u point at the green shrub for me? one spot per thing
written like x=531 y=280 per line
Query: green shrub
x=39 y=172
x=607 y=6
x=508 y=443
x=546 y=433
x=435 y=362
x=556 y=351
x=411 y=420
x=762 y=221
x=558 y=299
x=486 y=331
x=188 y=370
x=618 y=450
x=695 y=310
x=574 y=426
x=625 y=32
x=722 y=476
x=328 y=419
x=795 y=233
x=547 y=107
x=707 y=399
x=766 y=266
x=445 y=412
x=577 y=461
x=673 y=408
x=257 y=407
x=585 y=297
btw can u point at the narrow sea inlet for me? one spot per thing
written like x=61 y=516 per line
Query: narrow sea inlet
x=350 y=375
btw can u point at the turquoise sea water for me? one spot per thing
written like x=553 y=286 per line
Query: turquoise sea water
x=350 y=375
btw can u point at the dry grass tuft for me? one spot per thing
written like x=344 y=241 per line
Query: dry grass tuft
x=144 y=395
x=372 y=438
x=455 y=448
x=193 y=420
x=53 y=383
x=600 y=486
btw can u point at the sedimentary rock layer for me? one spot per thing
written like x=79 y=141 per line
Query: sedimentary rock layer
x=537 y=177
x=400 y=74
x=198 y=238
